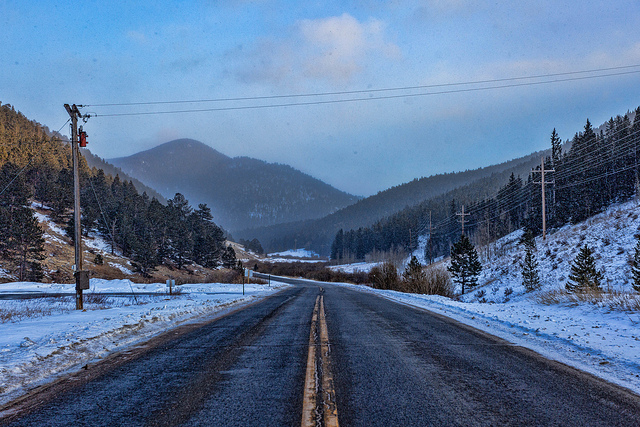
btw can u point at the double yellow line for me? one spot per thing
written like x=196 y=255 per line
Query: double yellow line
x=319 y=404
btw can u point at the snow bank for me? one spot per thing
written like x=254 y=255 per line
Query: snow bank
x=51 y=338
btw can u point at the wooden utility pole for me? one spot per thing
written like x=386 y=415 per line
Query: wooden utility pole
x=82 y=277
x=430 y=239
x=462 y=218
x=544 y=208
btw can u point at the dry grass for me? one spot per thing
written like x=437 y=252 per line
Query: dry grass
x=17 y=310
x=437 y=282
x=611 y=299
x=13 y=311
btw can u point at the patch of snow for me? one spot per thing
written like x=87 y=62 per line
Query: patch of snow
x=120 y=267
x=358 y=267
x=298 y=253
x=610 y=234
x=52 y=225
x=97 y=242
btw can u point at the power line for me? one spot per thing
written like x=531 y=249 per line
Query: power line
x=337 y=101
x=353 y=92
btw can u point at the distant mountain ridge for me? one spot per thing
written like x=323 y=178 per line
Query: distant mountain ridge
x=318 y=234
x=242 y=192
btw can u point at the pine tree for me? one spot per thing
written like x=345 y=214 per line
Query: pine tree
x=414 y=276
x=584 y=274
x=465 y=266
x=337 y=247
x=530 y=277
x=556 y=147
x=229 y=257
x=635 y=268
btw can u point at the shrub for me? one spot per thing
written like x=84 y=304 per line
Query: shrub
x=385 y=277
x=438 y=281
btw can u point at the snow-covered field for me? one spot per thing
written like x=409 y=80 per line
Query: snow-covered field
x=43 y=338
x=298 y=255
x=356 y=267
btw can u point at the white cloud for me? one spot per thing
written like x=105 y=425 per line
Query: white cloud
x=334 y=49
x=338 y=47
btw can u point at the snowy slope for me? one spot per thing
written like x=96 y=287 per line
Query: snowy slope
x=611 y=234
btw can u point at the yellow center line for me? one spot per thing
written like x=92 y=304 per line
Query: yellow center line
x=309 y=401
x=319 y=402
x=329 y=394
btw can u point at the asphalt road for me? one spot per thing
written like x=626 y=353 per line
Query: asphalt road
x=392 y=365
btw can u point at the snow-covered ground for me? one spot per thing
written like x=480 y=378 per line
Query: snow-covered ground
x=43 y=338
x=356 y=267
x=298 y=255
x=611 y=234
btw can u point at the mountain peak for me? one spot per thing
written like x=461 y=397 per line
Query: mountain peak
x=186 y=147
x=242 y=192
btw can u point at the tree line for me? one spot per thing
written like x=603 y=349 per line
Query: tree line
x=591 y=171
x=35 y=163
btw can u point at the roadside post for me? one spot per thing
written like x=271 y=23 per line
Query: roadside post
x=170 y=284
x=246 y=274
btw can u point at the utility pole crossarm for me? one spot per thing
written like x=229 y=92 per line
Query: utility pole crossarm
x=543 y=183
x=462 y=216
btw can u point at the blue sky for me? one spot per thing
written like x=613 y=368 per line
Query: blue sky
x=127 y=52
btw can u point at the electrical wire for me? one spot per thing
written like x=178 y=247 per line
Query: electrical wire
x=353 y=92
x=336 y=101
x=16 y=177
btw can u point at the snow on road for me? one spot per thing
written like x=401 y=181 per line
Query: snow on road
x=44 y=338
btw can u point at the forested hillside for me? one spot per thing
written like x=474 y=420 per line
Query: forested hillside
x=598 y=169
x=242 y=192
x=96 y=162
x=35 y=166
x=318 y=234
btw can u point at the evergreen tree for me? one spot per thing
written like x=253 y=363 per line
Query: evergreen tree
x=465 y=266
x=229 y=257
x=556 y=148
x=208 y=239
x=584 y=274
x=414 y=276
x=530 y=277
x=635 y=268
x=180 y=232
x=337 y=247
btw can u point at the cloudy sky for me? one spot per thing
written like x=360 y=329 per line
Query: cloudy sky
x=347 y=129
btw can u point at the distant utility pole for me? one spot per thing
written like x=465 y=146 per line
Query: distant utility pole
x=462 y=218
x=430 y=239
x=544 y=209
x=82 y=277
